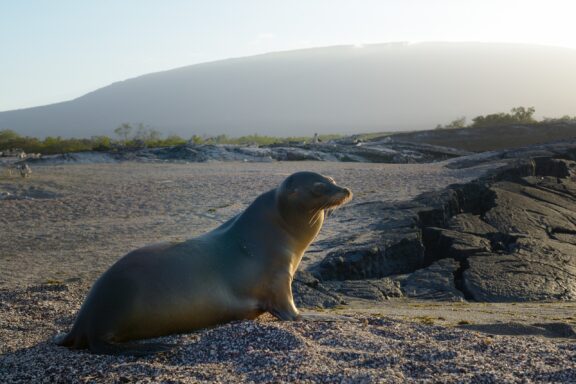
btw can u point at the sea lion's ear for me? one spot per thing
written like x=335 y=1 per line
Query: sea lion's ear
x=291 y=190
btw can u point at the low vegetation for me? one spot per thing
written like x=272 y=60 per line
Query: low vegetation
x=518 y=115
x=130 y=137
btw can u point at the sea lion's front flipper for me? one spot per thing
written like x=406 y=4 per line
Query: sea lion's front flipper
x=286 y=314
x=280 y=302
x=283 y=308
x=129 y=349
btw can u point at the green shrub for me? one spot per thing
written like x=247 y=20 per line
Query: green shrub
x=518 y=115
x=128 y=137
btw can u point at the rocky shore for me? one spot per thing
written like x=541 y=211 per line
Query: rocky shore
x=345 y=150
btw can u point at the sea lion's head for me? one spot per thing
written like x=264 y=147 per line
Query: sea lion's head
x=309 y=193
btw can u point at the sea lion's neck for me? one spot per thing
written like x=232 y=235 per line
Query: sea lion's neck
x=268 y=219
x=301 y=222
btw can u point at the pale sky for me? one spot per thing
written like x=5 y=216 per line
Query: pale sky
x=57 y=50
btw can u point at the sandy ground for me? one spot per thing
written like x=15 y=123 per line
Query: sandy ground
x=79 y=219
x=86 y=216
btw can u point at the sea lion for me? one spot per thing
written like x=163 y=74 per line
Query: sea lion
x=237 y=271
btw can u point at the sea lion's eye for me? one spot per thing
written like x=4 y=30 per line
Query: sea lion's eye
x=319 y=188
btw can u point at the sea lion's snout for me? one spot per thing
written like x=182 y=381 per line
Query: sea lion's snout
x=330 y=189
x=335 y=194
x=342 y=195
x=346 y=192
x=349 y=194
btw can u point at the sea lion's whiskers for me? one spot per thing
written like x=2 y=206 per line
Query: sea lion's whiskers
x=315 y=219
x=336 y=202
x=316 y=216
x=313 y=216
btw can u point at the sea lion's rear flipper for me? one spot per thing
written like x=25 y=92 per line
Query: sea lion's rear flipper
x=72 y=340
x=130 y=349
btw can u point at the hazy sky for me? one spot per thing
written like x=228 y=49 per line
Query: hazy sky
x=60 y=49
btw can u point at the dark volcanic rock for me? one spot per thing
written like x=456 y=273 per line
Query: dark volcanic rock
x=521 y=244
x=377 y=152
x=454 y=244
x=510 y=236
x=565 y=149
x=389 y=247
x=374 y=152
x=435 y=282
x=535 y=259
x=361 y=289
x=309 y=293
x=388 y=286
x=372 y=289
x=356 y=263
x=496 y=137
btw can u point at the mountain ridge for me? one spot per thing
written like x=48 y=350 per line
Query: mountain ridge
x=338 y=89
